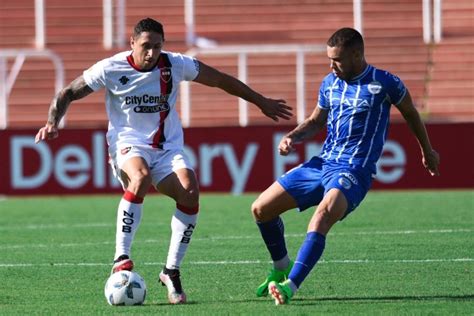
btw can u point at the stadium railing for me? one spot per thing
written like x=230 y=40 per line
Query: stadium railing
x=432 y=10
x=432 y=17
x=7 y=81
x=242 y=52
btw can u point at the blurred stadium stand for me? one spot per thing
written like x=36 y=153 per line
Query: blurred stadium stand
x=439 y=76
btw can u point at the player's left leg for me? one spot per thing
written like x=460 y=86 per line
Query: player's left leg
x=331 y=209
x=299 y=188
x=182 y=186
x=266 y=211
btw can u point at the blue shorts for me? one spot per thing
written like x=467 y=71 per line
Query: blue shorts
x=310 y=181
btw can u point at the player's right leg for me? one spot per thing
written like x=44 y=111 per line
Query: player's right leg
x=136 y=180
x=299 y=188
x=266 y=211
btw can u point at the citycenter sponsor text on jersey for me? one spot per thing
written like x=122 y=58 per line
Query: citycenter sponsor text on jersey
x=146 y=99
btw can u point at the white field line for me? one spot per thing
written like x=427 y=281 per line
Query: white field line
x=112 y=224
x=241 y=262
x=56 y=226
x=64 y=226
x=216 y=238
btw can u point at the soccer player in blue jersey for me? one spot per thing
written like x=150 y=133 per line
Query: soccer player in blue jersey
x=354 y=103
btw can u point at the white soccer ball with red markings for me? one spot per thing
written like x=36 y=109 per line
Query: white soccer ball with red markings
x=125 y=288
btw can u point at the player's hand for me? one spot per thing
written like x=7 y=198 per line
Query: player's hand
x=431 y=162
x=286 y=146
x=47 y=132
x=276 y=109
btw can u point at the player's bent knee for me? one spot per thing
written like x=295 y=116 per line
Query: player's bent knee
x=139 y=181
x=258 y=211
x=139 y=176
x=193 y=196
x=189 y=198
x=143 y=180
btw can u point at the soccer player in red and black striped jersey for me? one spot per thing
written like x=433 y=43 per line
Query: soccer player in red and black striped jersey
x=145 y=136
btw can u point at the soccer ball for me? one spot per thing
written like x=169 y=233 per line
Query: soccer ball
x=125 y=288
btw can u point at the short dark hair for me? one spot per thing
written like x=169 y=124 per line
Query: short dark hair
x=148 y=25
x=346 y=38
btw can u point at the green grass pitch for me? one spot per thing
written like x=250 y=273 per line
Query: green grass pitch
x=399 y=253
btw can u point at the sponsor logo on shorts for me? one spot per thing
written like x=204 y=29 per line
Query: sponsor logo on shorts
x=347 y=179
x=349 y=176
x=345 y=183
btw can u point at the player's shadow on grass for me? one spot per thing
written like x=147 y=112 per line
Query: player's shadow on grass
x=380 y=299
x=315 y=301
x=168 y=304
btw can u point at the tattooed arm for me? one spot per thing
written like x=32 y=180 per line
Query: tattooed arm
x=76 y=90
x=312 y=125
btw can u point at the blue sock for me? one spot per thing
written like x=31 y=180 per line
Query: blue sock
x=308 y=255
x=273 y=236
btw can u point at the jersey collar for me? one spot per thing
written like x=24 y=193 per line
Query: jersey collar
x=362 y=74
x=134 y=66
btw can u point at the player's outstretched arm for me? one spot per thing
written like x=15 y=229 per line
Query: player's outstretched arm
x=76 y=90
x=430 y=158
x=274 y=109
x=311 y=126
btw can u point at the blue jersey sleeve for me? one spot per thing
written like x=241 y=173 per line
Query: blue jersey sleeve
x=395 y=88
